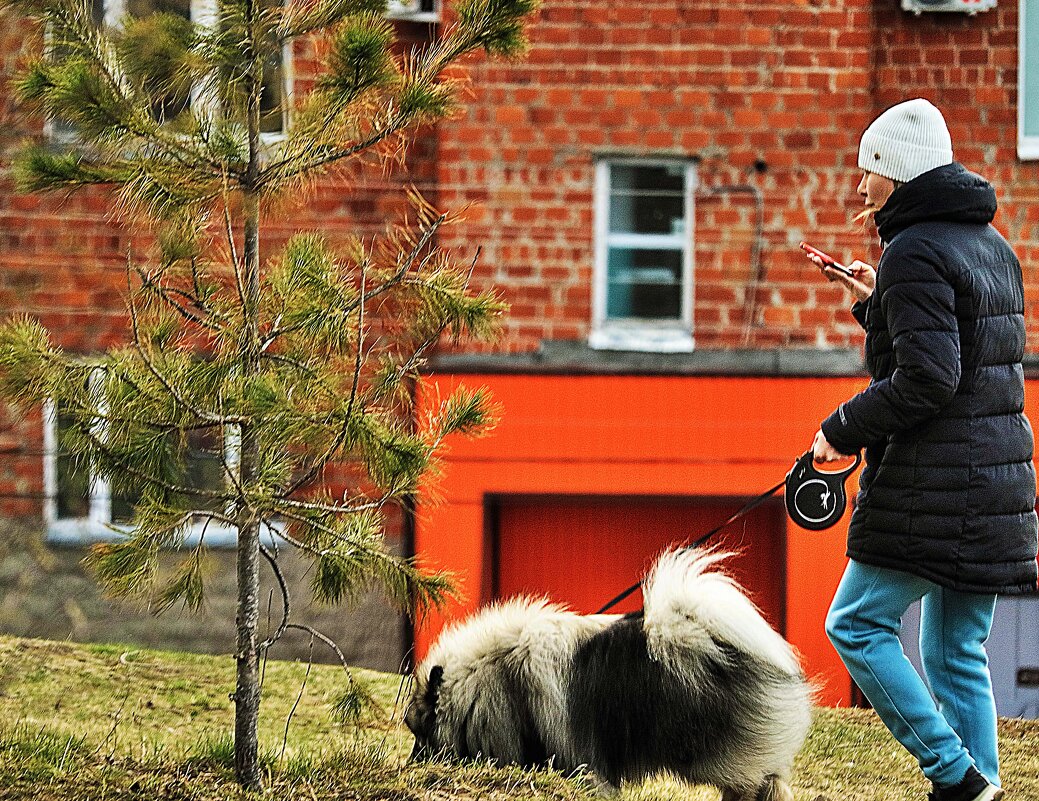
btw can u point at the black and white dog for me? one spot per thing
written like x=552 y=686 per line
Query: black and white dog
x=698 y=685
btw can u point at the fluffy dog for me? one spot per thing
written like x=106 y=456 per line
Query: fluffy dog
x=697 y=685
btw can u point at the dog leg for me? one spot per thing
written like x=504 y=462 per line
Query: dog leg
x=728 y=794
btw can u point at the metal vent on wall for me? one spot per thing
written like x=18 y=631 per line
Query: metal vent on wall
x=961 y=6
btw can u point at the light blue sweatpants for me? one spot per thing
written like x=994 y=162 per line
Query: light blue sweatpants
x=955 y=727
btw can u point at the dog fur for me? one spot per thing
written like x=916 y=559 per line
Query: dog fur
x=697 y=685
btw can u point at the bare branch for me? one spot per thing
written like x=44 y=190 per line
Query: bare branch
x=273 y=562
x=323 y=507
x=327 y=641
x=302 y=687
x=229 y=232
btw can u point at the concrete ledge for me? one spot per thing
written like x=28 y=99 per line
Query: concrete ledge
x=560 y=357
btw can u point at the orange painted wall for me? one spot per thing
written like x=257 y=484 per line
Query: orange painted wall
x=583 y=551
x=728 y=437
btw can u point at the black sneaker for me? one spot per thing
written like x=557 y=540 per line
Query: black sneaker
x=973 y=787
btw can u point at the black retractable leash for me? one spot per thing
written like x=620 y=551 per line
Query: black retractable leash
x=814 y=500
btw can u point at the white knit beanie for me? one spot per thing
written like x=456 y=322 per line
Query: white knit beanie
x=905 y=141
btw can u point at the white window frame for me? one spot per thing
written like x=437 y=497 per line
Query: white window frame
x=657 y=336
x=398 y=9
x=1027 y=146
x=203 y=12
x=97 y=526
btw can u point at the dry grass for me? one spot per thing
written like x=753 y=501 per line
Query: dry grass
x=101 y=722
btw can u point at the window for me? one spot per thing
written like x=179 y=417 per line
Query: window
x=415 y=10
x=173 y=100
x=1028 y=81
x=643 y=273
x=81 y=508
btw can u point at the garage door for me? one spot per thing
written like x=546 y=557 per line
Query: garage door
x=583 y=551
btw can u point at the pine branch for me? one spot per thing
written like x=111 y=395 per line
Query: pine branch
x=407 y=587
x=320 y=463
x=104 y=89
x=167 y=296
x=491 y=25
x=303 y=17
x=177 y=396
x=101 y=447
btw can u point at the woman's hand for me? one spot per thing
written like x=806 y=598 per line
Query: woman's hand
x=861 y=282
x=823 y=451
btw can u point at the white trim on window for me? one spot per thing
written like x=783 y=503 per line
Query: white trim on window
x=1027 y=52
x=97 y=525
x=659 y=336
x=411 y=10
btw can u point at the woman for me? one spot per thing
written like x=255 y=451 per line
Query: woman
x=945 y=512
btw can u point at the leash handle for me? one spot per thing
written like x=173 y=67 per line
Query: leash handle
x=816 y=498
x=697 y=543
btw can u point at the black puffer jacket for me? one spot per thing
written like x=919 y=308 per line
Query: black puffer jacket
x=948 y=491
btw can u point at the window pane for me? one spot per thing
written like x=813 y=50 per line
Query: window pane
x=142 y=8
x=273 y=95
x=201 y=470
x=271 y=115
x=647 y=200
x=1029 y=98
x=202 y=465
x=644 y=284
x=73 y=478
x=647 y=214
x=659 y=177
x=170 y=92
x=122 y=508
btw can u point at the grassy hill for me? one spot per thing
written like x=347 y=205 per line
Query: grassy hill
x=81 y=722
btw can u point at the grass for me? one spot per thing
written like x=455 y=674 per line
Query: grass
x=110 y=723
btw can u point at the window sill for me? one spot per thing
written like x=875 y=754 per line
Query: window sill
x=415 y=16
x=644 y=339
x=79 y=532
x=1028 y=148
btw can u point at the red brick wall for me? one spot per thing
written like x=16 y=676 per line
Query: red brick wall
x=792 y=83
x=968 y=67
x=789 y=82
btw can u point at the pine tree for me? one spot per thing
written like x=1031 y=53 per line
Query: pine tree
x=291 y=362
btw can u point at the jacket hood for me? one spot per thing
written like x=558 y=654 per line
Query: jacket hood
x=945 y=194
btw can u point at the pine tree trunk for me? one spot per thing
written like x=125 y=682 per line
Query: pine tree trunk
x=247 y=685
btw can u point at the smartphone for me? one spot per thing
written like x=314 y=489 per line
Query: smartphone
x=828 y=260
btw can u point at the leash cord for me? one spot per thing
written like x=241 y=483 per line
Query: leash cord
x=752 y=504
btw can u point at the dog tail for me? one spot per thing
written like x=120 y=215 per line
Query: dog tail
x=693 y=606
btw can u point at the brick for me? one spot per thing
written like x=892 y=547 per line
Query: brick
x=793 y=83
